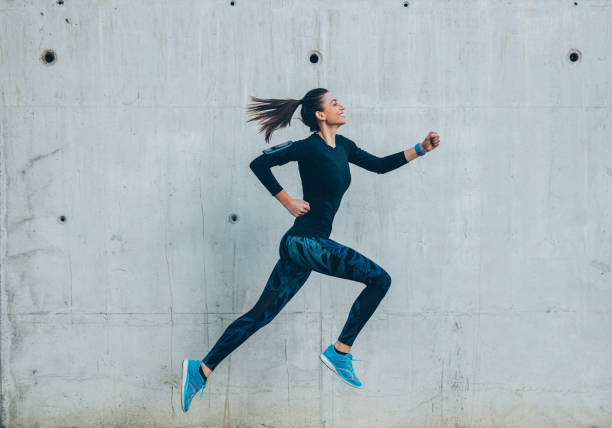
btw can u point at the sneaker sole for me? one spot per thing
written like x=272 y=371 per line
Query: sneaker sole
x=333 y=369
x=185 y=366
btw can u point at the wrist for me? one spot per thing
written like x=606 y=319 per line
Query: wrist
x=283 y=197
x=419 y=149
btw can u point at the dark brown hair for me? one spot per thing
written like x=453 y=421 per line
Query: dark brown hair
x=275 y=113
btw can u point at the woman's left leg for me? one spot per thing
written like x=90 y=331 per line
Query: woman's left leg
x=332 y=258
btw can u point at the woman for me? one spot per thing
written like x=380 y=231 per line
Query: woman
x=323 y=160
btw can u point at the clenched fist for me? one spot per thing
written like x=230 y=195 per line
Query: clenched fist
x=297 y=207
x=430 y=142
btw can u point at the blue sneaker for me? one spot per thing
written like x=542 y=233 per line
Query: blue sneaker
x=192 y=382
x=342 y=365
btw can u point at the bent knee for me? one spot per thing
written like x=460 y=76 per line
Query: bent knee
x=387 y=281
x=383 y=281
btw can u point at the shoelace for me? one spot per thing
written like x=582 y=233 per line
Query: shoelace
x=201 y=392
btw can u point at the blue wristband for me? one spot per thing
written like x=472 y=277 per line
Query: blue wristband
x=417 y=147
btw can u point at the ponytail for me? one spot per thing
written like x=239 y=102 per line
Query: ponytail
x=275 y=113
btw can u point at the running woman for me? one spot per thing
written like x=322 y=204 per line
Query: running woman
x=323 y=161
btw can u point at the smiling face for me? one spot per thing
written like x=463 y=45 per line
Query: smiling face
x=333 y=111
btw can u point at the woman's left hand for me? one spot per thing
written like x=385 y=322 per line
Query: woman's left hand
x=430 y=142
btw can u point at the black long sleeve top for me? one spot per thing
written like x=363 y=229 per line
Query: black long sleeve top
x=325 y=175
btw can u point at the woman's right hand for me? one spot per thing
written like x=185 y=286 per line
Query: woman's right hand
x=297 y=207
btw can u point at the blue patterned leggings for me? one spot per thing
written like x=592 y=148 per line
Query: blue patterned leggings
x=299 y=256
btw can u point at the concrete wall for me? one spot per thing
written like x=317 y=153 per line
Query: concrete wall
x=499 y=242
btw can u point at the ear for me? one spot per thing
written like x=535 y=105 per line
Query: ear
x=320 y=115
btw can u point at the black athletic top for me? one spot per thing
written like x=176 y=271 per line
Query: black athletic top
x=325 y=175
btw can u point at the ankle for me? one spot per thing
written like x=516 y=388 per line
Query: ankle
x=339 y=346
x=339 y=352
x=205 y=369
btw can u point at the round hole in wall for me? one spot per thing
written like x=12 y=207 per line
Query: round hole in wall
x=60 y=2
x=233 y=218
x=48 y=56
x=314 y=57
x=232 y=3
x=62 y=219
x=574 y=55
x=406 y=4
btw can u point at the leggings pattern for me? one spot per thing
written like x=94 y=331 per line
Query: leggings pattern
x=299 y=256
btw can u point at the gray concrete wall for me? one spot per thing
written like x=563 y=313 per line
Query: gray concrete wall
x=499 y=242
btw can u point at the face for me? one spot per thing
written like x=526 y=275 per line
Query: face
x=333 y=111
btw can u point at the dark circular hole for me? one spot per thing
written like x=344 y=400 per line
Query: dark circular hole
x=575 y=3
x=406 y=4
x=60 y=2
x=62 y=219
x=232 y=3
x=48 y=56
x=574 y=55
x=233 y=218
x=314 y=58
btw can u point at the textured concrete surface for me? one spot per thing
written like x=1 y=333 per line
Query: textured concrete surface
x=499 y=242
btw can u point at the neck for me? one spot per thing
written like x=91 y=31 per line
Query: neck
x=328 y=133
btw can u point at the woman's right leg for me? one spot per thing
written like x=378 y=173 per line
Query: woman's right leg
x=284 y=282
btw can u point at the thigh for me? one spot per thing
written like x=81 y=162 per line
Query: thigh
x=286 y=279
x=333 y=258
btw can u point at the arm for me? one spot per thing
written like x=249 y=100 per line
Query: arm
x=284 y=198
x=279 y=155
x=376 y=164
x=411 y=153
